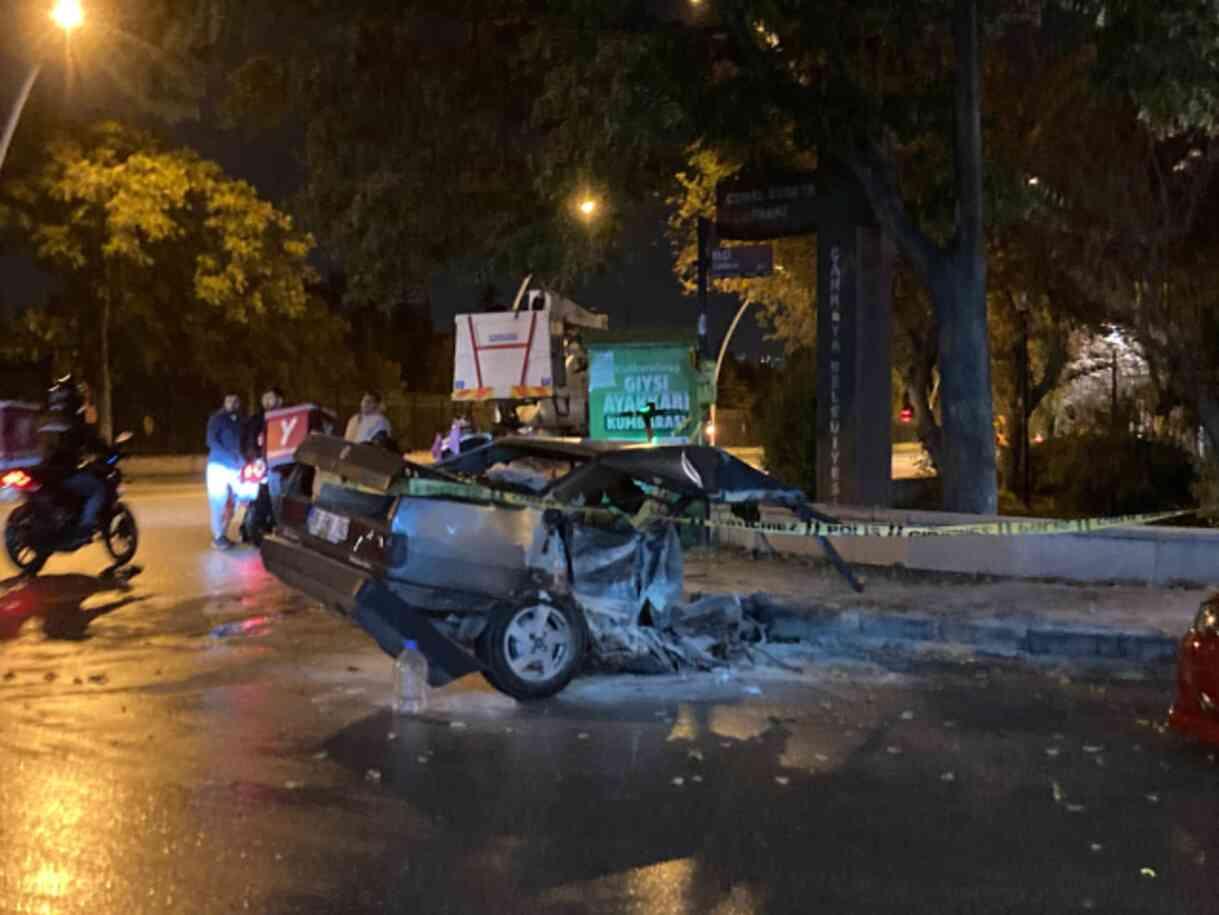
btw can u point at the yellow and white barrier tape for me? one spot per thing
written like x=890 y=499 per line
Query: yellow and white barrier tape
x=426 y=488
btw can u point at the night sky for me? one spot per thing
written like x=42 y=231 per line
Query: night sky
x=640 y=291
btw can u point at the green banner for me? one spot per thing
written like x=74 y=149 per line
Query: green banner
x=628 y=381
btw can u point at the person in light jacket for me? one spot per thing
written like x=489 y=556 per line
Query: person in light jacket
x=224 y=463
x=370 y=423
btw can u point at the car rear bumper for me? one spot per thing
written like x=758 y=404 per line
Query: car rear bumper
x=370 y=604
x=333 y=583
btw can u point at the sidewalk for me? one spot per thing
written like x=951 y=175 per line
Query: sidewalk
x=808 y=601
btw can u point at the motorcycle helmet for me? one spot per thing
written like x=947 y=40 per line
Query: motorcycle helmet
x=64 y=397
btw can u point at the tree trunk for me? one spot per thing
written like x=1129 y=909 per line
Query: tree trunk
x=919 y=380
x=1008 y=458
x=1208 y=413
x=956 y=277
x=959 y=287
x=105 y=413
x=967 y=415
x=1015 y=420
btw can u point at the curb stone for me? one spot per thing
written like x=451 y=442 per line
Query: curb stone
x=1035 y=638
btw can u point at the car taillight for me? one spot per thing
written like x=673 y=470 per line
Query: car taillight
x=18 y=479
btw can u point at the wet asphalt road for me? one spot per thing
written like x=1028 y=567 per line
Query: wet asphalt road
x=151 y=766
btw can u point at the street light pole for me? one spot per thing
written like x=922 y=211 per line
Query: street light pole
x=68 y=15
x=23 y=96
x=719 y=362
x=704 y=256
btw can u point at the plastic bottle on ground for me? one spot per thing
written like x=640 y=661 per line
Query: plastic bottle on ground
x=410 y=680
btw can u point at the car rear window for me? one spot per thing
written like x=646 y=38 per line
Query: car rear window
x=326 y=490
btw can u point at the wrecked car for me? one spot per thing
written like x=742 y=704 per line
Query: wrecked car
x=519 y=560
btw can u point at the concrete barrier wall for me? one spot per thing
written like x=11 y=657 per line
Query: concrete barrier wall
x=1144 y=555
x=145 y=466
x=1141 y=555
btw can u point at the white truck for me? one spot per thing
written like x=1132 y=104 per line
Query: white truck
x=529 y=361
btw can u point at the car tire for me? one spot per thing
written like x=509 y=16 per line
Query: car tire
x=534 y=645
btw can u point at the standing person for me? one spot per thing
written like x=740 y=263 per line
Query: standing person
x=254 y=441
x=88 y=408
x=260 y=512
x=370 y=423
x=224 y=463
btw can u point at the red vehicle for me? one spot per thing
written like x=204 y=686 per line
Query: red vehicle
x=1196 y=709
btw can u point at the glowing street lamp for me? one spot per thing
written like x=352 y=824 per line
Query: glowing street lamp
x=588 y=207
x=69 y=15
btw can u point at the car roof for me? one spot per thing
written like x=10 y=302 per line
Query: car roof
x=699 y=471
x=515 y=447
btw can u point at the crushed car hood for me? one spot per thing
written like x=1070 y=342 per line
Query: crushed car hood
x=697 y=471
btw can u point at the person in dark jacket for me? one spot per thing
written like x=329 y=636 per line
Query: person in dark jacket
x=259 y=513
x=254 y=444
x=224 y=463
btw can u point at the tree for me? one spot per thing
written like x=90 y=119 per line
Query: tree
x=786 y=297
x=1123 y=194
x=423 y=170
x=192 y=268
x=878 y=87
x=419 y=144
x=847 y=83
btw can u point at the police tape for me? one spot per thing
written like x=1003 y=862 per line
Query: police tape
x=978 y=529
x=426 y=488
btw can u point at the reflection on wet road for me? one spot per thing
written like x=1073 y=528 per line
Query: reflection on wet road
x=204 y=741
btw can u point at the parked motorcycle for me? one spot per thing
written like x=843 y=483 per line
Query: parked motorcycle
x=46 y=520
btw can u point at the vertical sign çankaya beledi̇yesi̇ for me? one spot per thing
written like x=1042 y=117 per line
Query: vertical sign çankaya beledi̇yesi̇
x=854 y=292
x=835 y=372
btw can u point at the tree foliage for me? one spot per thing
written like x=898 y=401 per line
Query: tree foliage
x=420 y=142
x=509 y=113
x=789 y=423
x=786 y=297
x=168 y=262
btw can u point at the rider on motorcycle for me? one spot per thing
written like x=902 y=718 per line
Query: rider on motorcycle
x=65 y=438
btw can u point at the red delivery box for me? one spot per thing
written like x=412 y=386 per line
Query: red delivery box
x=19 y=434
x=288 y=427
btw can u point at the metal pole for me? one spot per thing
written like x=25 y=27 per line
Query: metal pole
x=719 y=362
x=1025 y=412
x=704 y=233
x=740 y=312
x=15 y=115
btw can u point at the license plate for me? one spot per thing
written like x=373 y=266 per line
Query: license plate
x=328 y=526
